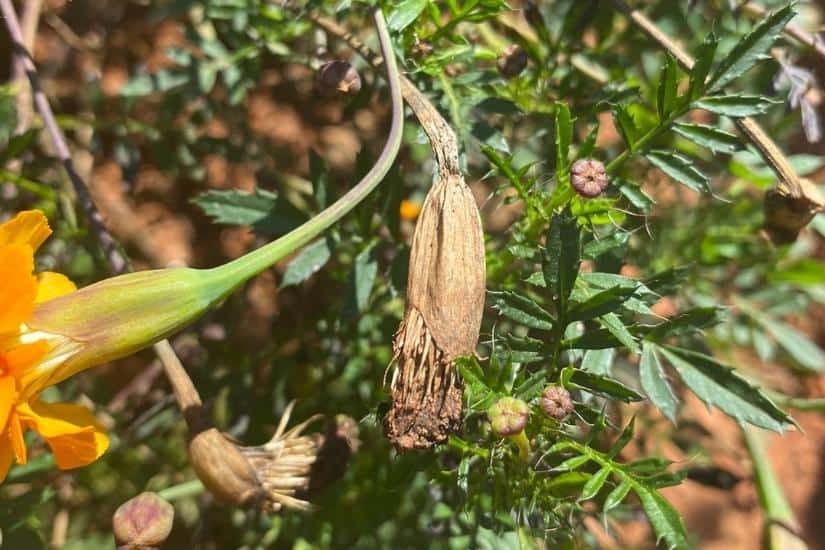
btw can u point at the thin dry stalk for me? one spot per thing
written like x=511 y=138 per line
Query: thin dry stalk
x=795 y=201
x=813 y=41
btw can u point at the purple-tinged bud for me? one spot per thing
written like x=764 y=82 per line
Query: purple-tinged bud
x=556 y=402
x=143 y=523
x=588 y=177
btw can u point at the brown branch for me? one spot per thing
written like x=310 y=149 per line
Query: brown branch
x=109 y=245
x=29 y=20
x=790 y=183
x=796 y=32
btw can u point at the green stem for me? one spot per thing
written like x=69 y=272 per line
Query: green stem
x=779 y=518
x=643 y=142
x=816 y=404
x=455 y=110
x=235 y=273
x=182 y=490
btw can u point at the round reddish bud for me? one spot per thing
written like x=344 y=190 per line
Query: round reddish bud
x=588 y=177
x=508 y=416
x=512 y=61
x=143 y=522
x=337 y=77
x=556 y=402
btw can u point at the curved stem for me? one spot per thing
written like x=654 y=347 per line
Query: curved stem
x=239 y=271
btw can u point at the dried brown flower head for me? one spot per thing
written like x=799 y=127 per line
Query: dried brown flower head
x=588 y=177
x=556 y=402
x=512 y=61
x=337 y=77
x=267 y=476
x=445 y=300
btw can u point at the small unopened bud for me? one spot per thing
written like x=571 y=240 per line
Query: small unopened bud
x=508 y=416
x=337 y=77
x=588 y=177
x=512 y=61
x=143 y=523
x=556 y=402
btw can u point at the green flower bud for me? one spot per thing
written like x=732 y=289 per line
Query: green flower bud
x=508 y=416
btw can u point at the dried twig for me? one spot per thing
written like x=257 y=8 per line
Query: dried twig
x=110 y=247
x=29 y=19
x=795 y=200
x=796 y=32
x=748 y=126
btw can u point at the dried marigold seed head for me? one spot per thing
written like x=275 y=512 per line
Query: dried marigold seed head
x=508 y=416
x=512 y=61
x=337 y=77
x=445 y=303
x=143 y=522
x=268 y=476
x=556 y=402
x=588 y=177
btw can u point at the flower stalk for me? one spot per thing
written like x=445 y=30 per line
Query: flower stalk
x=119 y=316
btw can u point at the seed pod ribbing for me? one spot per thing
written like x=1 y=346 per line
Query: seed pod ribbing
x=445 y=298
x=445 y=301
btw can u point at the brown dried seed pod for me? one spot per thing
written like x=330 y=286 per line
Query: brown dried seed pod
x=445 y=301
x=588 y=177
x=337 y=77
x=512 y=61
x=267 y=476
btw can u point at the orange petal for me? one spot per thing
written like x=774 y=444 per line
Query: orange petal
x=8 y=398
x=52 y=285
x=18 y=444
x=5 y=458
x=19 y=287
x=19 y=359
x=29 y=227
x=72 y=432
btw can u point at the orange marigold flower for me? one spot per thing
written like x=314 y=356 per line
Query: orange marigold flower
x=409 y=210
x=28 y=356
